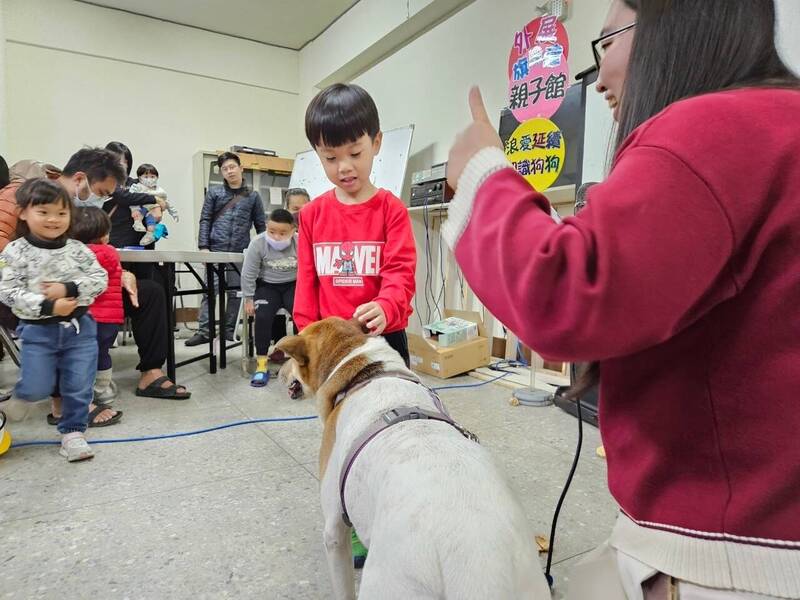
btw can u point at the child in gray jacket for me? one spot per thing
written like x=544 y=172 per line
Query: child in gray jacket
x=269 y=274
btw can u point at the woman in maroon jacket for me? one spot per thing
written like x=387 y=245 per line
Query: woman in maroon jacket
x=681 y=277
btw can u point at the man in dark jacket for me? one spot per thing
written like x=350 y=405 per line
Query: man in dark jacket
x=230 y=211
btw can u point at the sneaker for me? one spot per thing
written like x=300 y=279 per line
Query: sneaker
x=74 y=447
x=197 y=339
x=359 y=551
x=160 y=232
x=147 y=239
x=139 y=226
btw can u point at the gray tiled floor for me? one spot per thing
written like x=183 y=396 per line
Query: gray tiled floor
x=235 y=512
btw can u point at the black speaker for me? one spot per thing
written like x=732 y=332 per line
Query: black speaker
x=589 y=400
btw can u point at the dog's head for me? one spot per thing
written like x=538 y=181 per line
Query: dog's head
x=329 y=354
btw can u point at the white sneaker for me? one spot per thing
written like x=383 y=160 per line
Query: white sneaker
x=147 y=239
x=74 y=447
x=16 y=409
x=139 y=226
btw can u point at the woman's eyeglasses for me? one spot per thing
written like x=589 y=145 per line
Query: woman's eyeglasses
x=600 y=45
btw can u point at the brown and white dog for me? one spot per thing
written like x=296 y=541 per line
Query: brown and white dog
x=438 y=516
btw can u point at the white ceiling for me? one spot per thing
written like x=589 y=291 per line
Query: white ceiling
x=287 y=23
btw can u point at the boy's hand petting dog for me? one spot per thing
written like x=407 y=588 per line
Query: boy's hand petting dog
x=64 y=307
x=53 y=290
x=372 y=316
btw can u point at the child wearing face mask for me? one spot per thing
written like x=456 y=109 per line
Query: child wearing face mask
x=147 y=218
x=49 y=281
x=269 y=274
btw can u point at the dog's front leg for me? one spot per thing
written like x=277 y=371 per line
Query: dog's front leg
x=339 y=551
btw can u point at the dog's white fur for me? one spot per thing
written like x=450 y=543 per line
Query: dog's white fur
x=437 y=514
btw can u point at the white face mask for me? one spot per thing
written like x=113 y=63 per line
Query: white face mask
x=148 y=181
x=279 y=245
x=92 y=200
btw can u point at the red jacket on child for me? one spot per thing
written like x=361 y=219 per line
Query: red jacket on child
x=351 y=254
x=107 y=307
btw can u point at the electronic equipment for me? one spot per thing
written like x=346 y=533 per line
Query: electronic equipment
x=249 y=150
x=589 y=400
x=431 y=193
x=435 y=173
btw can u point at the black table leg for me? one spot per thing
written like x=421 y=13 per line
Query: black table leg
x=223 y=318
x=212 y=317
x=168 y=279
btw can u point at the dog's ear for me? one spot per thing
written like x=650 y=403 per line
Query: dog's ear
x=362 y=327
x=295 y=346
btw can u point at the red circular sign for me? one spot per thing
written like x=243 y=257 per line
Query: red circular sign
x=538 y=74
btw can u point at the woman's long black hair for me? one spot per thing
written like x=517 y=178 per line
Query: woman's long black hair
x=685 y=48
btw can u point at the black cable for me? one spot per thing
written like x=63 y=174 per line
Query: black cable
x=442 y=290
x=427 y=252
x=564 y=495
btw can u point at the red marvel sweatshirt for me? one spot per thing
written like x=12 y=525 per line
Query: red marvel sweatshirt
x=682 y=276
x=107 y=307
x=348 y=255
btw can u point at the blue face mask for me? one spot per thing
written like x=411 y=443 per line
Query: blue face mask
x=279 y=245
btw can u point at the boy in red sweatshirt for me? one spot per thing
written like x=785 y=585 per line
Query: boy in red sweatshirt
x=356 y=255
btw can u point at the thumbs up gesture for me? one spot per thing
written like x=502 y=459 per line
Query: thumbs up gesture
x=479 y=135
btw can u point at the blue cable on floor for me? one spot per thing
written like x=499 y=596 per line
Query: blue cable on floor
x=149 y=438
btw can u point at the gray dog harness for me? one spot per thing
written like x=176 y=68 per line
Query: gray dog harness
x=386 y=420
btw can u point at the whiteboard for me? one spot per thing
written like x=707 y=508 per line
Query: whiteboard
x=388 y=169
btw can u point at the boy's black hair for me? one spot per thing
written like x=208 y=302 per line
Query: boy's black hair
x=228 y=156
x=89 y=224
x=146 y=169
x=39 y=191
x=340 y=114
x=296 y=192
x=123 y=150
x=98 y=164
x=281 y=215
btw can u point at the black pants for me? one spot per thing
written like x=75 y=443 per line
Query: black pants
x=106 y=334
x=398 y=340
x=149 y=324
x=269 y=298
x=279 y=328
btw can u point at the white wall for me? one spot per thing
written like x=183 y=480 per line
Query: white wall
x=79 y=74
x=3 y=136
x=426 y=83
x=789 y=32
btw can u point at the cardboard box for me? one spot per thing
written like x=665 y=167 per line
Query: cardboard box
x=450 y=331
x=427 y=356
